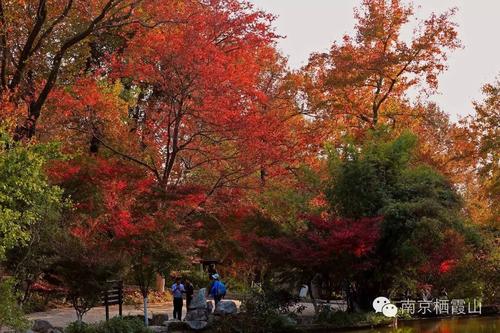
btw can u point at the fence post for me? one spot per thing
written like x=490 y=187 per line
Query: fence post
x=106 y=304
x=120 y=298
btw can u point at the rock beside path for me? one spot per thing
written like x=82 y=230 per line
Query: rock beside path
x=199 y=309
x=224 y=308
x=197 y=325
x=199 y=301
x=197 y=315
x=43 y=326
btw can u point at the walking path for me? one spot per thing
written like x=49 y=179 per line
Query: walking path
x=63 y=316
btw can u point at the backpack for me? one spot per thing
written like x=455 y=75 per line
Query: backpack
x=220 y=288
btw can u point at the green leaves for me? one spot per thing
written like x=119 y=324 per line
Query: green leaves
x=363 y=178
x=26 y=197
x=11 y=314
x=422 y=224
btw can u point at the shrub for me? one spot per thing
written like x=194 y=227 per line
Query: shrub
x=83 y=272
x=79 y=327
x=11 y=314
x=114 y=325
x=263 y=310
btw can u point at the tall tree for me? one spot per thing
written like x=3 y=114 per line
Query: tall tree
x=362 y=80
x=423 y=233
x=43 y=40
x=486 y=126
x=196 y=96
x=204 y=103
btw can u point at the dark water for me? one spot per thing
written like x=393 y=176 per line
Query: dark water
x=455 y=325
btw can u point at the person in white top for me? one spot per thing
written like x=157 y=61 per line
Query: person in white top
x=177 y=291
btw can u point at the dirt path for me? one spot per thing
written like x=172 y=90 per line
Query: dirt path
x=62 y=317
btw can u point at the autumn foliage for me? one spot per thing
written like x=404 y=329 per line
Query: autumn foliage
x=327 y=245
x=185 y=134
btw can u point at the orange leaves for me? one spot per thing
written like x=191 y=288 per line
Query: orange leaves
x=198 y=107
x=86 y=108
x=357 y=79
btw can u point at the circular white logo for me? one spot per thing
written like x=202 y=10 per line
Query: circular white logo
x=379 y=303
x=390 y=310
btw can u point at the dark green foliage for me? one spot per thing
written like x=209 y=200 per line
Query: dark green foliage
x=154 y=254
x=11 y=314
x=423 y=226
x=84 y=272
x=363 y=178
x=114 y=325
x=261 y=301
x=29 y=264
x=263 y=310
x=26 y=197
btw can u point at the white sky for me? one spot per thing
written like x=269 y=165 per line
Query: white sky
x=312 y=25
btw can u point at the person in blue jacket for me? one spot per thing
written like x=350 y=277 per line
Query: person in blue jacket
x=217 y=289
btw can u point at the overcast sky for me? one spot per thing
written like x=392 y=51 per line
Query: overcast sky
x=312 y=25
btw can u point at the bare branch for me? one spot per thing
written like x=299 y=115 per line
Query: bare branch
x=49 y=30
x=41 y=15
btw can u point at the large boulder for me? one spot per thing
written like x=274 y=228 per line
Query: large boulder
x=197 y=325
x=224 y=308
x=159 y=319
x=196 y=315
x=200 y=300
x=42 y=326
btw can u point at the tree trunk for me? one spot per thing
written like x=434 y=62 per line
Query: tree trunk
x=79 y=317
x=146 y=319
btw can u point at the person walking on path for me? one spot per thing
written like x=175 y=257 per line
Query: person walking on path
x=189 y=292
x=217 y=289
x=177 y=291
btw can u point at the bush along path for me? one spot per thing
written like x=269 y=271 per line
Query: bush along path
x=202 y=313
